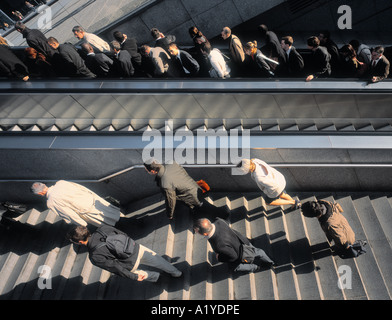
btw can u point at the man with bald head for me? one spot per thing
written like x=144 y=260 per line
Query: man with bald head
x=229 y=246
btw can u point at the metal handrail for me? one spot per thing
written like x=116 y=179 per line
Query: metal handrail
x=277 y=165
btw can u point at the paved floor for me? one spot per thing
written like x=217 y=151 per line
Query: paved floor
x=65 y=14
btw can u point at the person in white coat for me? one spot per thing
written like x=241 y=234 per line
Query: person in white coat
x=219 y=69
x=76 y=204
x=270 y=181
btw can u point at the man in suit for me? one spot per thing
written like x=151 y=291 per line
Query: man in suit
x=128 y=264
x=319 y=61
x=332 y=48
x=294 y=62
x=129 y=44
x=71 y=60
x=36 y=39
x=99 y=63
x=183 y=63
x=123 y=61
x=160 y=59
x=379 y=66
x=161 y=40
x=272 y=48
x=227 y=244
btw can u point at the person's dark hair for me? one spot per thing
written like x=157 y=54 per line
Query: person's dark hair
x=79 y=233
x=311 y=209
x=202 y=226
x=348 y=51
x=77 y=29
x=288 y=40
x=20 y=26
x=313 y=42
x=193 y=31
x=379 y=49
x=206 y=47
x=86 y=47
x=155 y=33
x=355 y=43
x=144 y=48
x=262 y=29
x=119 y=36
x=326 y=34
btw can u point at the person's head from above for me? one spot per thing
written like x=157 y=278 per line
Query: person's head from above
x=226 y=33
x=79 y=235
x=119 y=36
x=313 y=209
x=87 y=48
x=145 y=50
x=313 y=43
x=39 y=188
x=250 y=48
x=152 y=166
x=78 y=32
x=324 y=36
x=20 y=27
x=203 y=226
x=206 y=48
x=53 y=42
x=116 y=46
x=173 y=49
x=246 y=166
x=377 y=52
x=286 y=43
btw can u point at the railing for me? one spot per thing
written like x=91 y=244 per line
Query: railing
x=207 y=166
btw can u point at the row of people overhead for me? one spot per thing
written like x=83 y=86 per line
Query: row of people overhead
x=123 y=58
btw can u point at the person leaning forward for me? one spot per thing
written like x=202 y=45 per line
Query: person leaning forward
x=229 y=246
x=126 y=263
x=76 y=204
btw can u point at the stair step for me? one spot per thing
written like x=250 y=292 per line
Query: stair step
x=378 y=242
x=325 y=267
x=366 y=264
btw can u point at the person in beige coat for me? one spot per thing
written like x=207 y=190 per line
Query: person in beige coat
x=77 y=205
x=335 y=226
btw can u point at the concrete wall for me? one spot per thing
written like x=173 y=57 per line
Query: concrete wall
x=177 y=16
x=79 y=164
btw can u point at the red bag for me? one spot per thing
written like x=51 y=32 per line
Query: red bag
x=203 y=185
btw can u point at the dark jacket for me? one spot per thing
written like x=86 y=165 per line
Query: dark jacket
x=185 y=61
x=294 y=63
x=257 y=66
x=102 y=257
x=319 y=63
x=381 y=70
x=10 y=65
x=176 y=184
x=124 y=66
x=165 y=41
x=75 y=63
x=37 y=40
x=130 y=45
x=225 y=242
x=99 y=64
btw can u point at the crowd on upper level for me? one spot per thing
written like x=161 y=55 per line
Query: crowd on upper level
x=123 y=58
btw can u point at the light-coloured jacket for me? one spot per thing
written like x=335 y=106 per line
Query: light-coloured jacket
x=218 y=64
x=97 y=42
x=236 y=49
x=78 y=205
x=268 y=179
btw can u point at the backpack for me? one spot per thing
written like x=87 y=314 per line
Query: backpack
x=119 y=244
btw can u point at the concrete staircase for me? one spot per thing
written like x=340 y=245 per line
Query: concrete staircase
x=307 y=267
